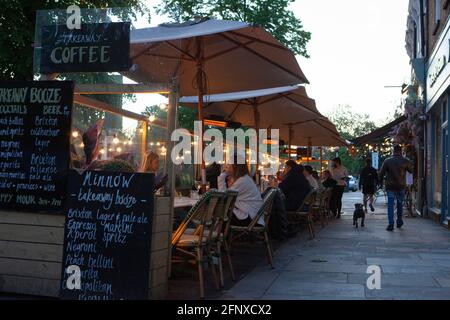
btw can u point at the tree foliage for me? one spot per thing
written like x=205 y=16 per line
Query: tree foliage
x=273 y=15
x=351 y=124
x=17 y=29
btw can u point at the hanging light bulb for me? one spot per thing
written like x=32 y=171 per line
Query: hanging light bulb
x=119 y=149
x=116 y=140
x=151 y=118
x=158 y=144
x=102 y=151
x=130 y=142
x=75 y=134
x=82 y=145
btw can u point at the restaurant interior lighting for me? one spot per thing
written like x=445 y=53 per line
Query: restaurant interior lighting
x=75 y=134
x=116 y=140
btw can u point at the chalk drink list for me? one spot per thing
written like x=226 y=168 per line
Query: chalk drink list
x=35 y=120
x=107 y=236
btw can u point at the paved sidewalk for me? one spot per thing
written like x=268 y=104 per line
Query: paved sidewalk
x=415 y=262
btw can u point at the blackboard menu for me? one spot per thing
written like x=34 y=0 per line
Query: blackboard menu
x=35 y=121
x=107 y=238
x=96 y=47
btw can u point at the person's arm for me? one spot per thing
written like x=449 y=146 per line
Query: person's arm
x=410 y=166
x=221 y=182
x=382 y=173
x=377 y=180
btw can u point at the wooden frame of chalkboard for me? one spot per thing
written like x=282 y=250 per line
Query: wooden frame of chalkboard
x=107 y=237
x=35 y=123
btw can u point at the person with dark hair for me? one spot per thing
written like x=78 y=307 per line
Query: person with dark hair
x=328 y=182
x=294 y=185
x=368 y=182
x=308 y=171
x=212 y=173
x=340 y=175
x=394 y=168
x=236 y=177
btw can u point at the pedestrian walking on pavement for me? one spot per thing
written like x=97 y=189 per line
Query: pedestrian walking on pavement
x=394 y=168
x=368 y=182
x=340 y=175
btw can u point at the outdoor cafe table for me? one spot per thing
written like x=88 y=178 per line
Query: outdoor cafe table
x=183 y=202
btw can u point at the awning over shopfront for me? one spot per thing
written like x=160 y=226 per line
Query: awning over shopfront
x=379 y=134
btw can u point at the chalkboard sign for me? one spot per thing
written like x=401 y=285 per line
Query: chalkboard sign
x=35 y=121
x=100 y=47
x=107 y=238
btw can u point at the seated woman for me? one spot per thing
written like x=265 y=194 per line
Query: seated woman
x=294 y=185
x=236 y=177
x=150 y=163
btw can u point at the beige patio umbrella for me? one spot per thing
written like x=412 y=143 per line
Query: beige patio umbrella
x=212 y=56
x=319 y=132
x=273 y=108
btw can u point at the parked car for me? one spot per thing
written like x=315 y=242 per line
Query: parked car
x=352 y=184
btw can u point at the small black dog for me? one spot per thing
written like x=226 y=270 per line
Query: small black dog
x=359 y=214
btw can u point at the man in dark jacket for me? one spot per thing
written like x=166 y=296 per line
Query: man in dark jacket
x=368 y=181
x=294 y=186
x=394 y=169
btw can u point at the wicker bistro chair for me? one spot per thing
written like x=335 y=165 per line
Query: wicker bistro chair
x=305 y=216
x=195 y=247
x=254 y=229
x=327 y=203
x=321 y=206
x=221 y=233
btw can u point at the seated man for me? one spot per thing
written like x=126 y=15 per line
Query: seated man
x=294 y=185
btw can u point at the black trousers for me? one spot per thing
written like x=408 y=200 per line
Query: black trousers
x=336 y=199
x=240 y=223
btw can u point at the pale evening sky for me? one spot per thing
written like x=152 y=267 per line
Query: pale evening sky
x=357 y=48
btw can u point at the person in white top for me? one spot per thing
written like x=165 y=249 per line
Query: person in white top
x=307 y=172
x=340 y=175
x=249 y=201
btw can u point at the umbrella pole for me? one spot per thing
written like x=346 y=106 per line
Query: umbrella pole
x=291 y=133
x=201 y=91
x=309 y=150
x=257 y=124
x=321 y=161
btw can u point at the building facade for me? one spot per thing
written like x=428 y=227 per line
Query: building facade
x=428 y=46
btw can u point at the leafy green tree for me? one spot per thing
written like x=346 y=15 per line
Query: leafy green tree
x=17 y=29
x=350 y=124
x=273 y=15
